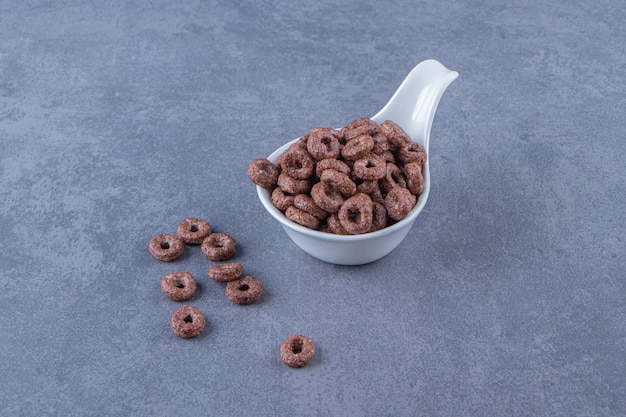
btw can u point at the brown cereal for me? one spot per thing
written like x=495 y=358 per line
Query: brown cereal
x=339 y=181
x=292 y=185
x=413 y=152
x=297 y=351
x=358 y=147
x=334 y=225
x=379 y=219
x=225 y=272
x=330 y=163
x=281 y=200
x=193 y=230
x=355 y=214
x=394 y=133
x=370 y=167
x=179 y=286
x=326 y=197
x=188 y=321
x=323 y=143
x=358 y=127
x=381 y=144
x=166 y=247
x=297 y=163
x=306 y=203
x=414 y=177
x=302 y=217
x=393 y=178
x=219 y=247
x=245 y=290
x=263 y=173
x=399 y=201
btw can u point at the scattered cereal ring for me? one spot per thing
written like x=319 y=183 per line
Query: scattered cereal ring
x=326 y=197
x=245 y=290
x=187 y=322
x=414 y=177
x=292 y=185
x=358 y=147
x=281 y=200
x=166 y=247
x=192 y=230
x=225 y=272
x=219 y=247
x=399 y=201
x=370 y=167
x=358 y=127
x=355 y=214
x=297 y=351
x=306 y=203
x=263 y=173
x=179 y=286
x=323 y=143
x=302 y=217
x=297 y=163
x=339 y=181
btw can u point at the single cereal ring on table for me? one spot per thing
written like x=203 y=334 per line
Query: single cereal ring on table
x=358 y=127
x=358 y=147
x=355 y=214
x=306 y=203
x=323 y=143
x=399 y=202
x=414 y=177
x=395 y=134
x=297 y=163
x=330 y=163
x=225 y=272
x=379 y=219
x=339 y=181
x=263 y=173
x=187 y=322
x=297 y=351
x=370 y=167
x=166 y=247
x=281 y=200
x=179 y=286
x=326 y=197
x=393 y=178
x=292 y=185
x=219 y=247
x=192 y=230
x=302 y=217
x=245 y=290
x=413 y=152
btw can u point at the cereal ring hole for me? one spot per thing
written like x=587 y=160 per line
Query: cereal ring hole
x=243 y=287
x=193 y=228
x=296 y=346
x=178 y=283
x=188 y=319
x=165 y=245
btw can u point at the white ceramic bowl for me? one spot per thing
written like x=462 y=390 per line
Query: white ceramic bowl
x=412 y=107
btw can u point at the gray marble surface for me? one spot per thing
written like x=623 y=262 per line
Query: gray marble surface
x=119 y=119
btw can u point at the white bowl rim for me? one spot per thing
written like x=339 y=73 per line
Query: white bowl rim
x=278 y=215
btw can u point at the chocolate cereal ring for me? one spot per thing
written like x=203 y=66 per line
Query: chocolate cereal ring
x=297 y=163
x=187 y=322
x=358 y=127
x=339 y=181
x=330 y=163
x=292 y=185
x=263 y=173
x=323 y=143
x=334 y=225
x=245 y=290
x=395 y=134
x=413 y=152
x=281 y=200
x=370 y=167
x=399 y=201
x=225 y=272
x=358 y=147
x=306 y=203
x=393 y=178
x=219 y=247
x=192 y=230
x=414 y=177
x=355 y=214
x=326 y=197
x=179 y=286
x=302 y=217
x=379 y=219
x=297 y=351
x=166 y=247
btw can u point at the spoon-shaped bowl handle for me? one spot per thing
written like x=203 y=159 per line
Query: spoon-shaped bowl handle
x=414 y=103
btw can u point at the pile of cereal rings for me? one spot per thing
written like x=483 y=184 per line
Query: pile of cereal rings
x=358 y=179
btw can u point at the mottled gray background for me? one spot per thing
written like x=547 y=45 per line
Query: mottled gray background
x=118 y=119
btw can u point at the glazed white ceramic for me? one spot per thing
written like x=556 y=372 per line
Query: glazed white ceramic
x=413 y=107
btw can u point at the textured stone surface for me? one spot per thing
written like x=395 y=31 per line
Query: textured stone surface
x=119 y=120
